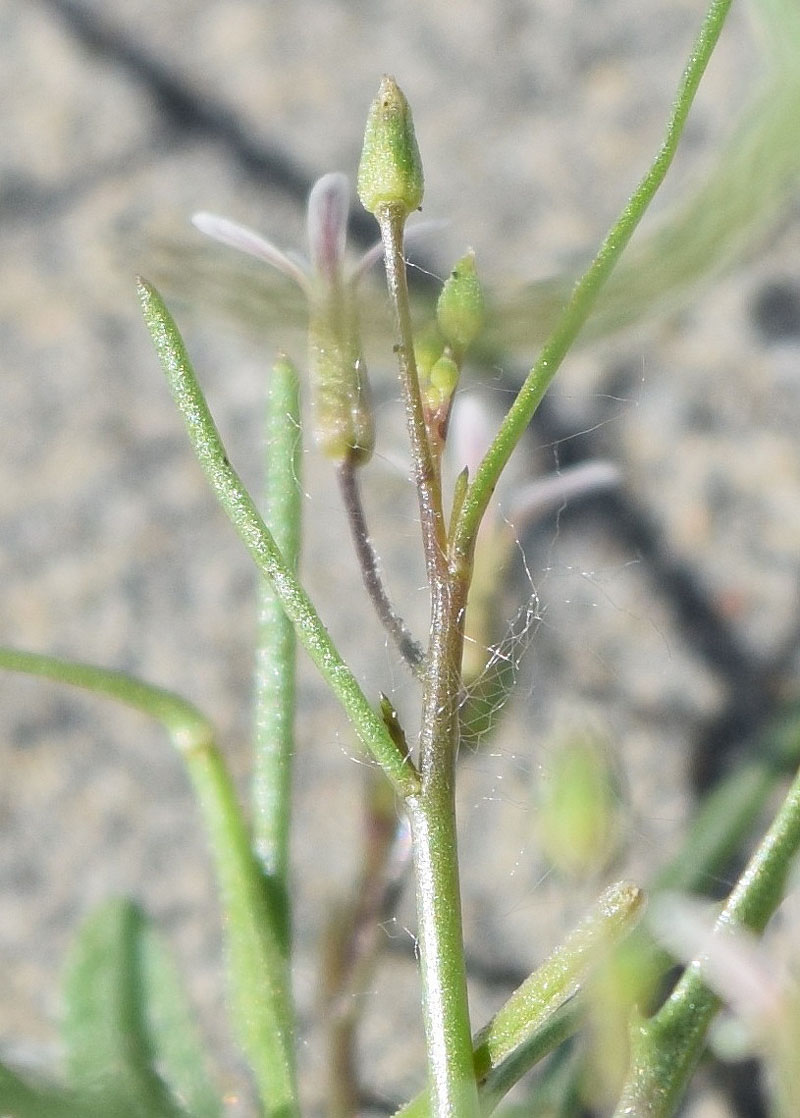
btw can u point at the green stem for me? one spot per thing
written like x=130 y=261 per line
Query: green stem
x=432 y=813
x=274 y=696
x=238 y=505
x=547 y=1007
x=667 y=1047
x=586 y=291
x=391 y=220
x=256 y=939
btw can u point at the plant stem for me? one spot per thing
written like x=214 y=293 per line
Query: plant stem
x=453 y=1089
x=368 y=561
x=667 y=1047
x=354 y=939
x=546 y=1007
x=586 y=291
x=391 y=221
x=274 y=690
x=227 y=486
x=451 y=1073
x=256 y=941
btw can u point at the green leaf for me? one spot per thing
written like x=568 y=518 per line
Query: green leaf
x=125 y=1018
x=178 y=1055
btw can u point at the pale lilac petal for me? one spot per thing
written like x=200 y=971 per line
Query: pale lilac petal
x=328 y=207
x=472 y=428
x=543 y=495
x=246 y=240
x=734 y=962
x=373 y=254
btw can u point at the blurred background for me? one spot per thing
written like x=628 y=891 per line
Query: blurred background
x=664 y=616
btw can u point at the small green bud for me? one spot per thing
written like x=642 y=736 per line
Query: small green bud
x=390 y=172
x=443 y=380
x=428 y=346
x=460 y=310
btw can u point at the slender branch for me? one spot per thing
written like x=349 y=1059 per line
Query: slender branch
x=432 y=813
x=391 y=222
x=586 y=291
x=354 y=939
x=240 y=509
x=397 y=629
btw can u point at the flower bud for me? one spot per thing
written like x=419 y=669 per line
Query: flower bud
x=428 y=346
x=390 y=172
x=443 y=380
x=460 y=310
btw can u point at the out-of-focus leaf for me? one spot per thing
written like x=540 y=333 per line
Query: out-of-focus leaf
x=130 y=1045
x=22 y=1099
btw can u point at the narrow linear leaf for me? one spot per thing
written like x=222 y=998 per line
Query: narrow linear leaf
x=238 y=505
x=255 y=940
x=666 y=1048
x=252 y=914
x=274 y=690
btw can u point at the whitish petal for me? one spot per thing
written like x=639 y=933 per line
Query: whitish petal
x=734 y=963
x=328 y=207
x=246 y=240
x=543 y=495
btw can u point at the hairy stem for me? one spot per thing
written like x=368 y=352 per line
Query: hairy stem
x=453 y=1090
x=274 y=677
x=426 y=476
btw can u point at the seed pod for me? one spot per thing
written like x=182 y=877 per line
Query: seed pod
x=390 y=171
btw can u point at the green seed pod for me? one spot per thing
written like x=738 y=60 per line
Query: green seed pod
x=343 y=420
x=390 y=172
x=460 y=310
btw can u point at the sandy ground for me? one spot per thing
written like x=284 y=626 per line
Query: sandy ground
x=535 y=120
